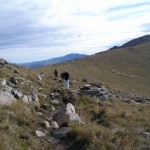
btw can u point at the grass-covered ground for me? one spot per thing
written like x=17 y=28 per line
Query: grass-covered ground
x=108 y=125
x=126 y=69
x=111 y=125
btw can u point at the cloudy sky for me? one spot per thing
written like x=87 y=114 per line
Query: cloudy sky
x=32 y=30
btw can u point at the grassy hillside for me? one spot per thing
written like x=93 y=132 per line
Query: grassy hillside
x=109 y=125
x=125 y=68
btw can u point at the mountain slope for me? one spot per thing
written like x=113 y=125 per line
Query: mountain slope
x=137 y=41
x=39 y=64
x=124 y=68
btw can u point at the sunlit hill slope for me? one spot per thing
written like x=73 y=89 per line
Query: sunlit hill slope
x=124 y=68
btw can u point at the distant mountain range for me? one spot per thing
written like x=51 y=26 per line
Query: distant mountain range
x=134 y=42
x=39 y=64
x=73 y=56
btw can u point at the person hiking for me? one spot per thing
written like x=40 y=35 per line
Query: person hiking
x=62 y=75
x=56 y=73
x=66 y=78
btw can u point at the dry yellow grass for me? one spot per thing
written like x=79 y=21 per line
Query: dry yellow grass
x=125 y=69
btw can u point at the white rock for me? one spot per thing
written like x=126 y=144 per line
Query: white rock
x=47 y=124
x=66 y=114
x=2 y=82
x=39 y=133
x=6 y=98
x=55 y=125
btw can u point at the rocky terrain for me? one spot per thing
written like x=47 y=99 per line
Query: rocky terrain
x=38 y=112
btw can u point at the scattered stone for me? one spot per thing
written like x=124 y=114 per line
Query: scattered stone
x=55 y=125
x=17 y=94
x=39 y=133
x=7 y=88
x=40 y=77
x=97 y=90
x=66 y=115
x=86 y=87
x=13 y=80
x=47 y=124
x=61 y=132
x=54 y=102
x=26 y=98
x=142 y=132
x=34 y=97
x=2 y=82
x=98 y=85
x=54 y=95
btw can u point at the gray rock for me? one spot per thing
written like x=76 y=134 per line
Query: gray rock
x=54 y=95
x=2 y=82
x=54 y=102
x=3 y=62
x=26 y=98
x=142 y=132
x=13 y=80
x=86 y=87
x=55 y=125
x=17 y=94
x=6 y=98
x=39 y=133
x=8 y=88
x=40 y=77
x=61 y=132
x=34 y=97
x=47 y=124
x=66 y=115
x=20 y=79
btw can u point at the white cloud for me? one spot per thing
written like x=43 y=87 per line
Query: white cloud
x=38 y=29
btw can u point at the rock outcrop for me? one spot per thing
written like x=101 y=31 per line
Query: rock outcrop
x=6 y=98
x=66 y=115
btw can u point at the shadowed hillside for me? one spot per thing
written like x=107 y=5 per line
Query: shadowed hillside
x=124 y=68
x=137 y=41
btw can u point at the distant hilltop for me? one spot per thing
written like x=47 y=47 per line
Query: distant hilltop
x=134 y=42
x=39 y=64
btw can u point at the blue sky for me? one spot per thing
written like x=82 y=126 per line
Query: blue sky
x=32 y=30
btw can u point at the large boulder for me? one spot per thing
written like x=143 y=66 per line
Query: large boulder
x=66 y=115
x=6 y=98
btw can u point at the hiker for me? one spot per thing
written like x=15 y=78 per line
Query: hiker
x=56 y=73
x=62 y=75
x=66 y=78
